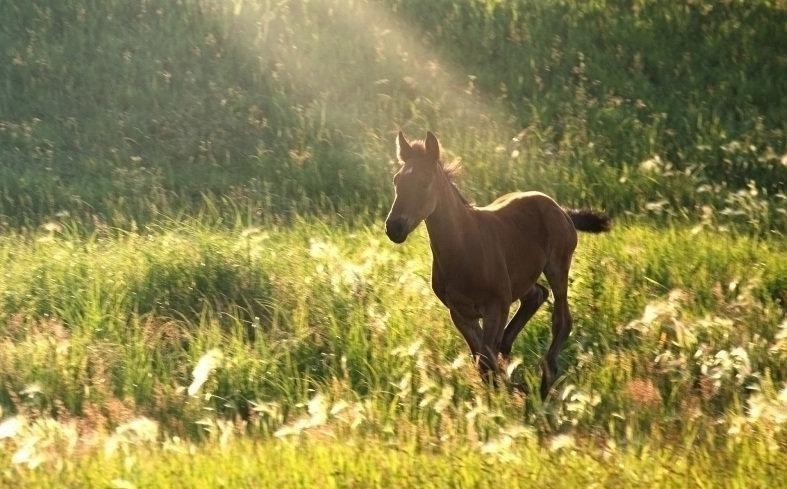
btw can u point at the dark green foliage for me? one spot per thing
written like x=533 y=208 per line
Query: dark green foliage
x=126 y=111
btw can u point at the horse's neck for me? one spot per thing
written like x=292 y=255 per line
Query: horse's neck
x=448 y=226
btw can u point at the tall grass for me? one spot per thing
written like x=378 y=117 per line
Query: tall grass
x=104 y=329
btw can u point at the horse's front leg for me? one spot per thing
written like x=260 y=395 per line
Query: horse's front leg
x=494 y=321
x=470 y=331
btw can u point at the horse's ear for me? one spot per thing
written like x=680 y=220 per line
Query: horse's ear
x=403 y=148
x=432 y=147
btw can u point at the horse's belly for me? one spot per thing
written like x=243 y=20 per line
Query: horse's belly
x=524 y=264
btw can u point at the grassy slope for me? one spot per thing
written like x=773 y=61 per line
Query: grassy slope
x=128 y=110
x=165 y=145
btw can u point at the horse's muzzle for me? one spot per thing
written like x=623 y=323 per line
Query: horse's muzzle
x=397 y=230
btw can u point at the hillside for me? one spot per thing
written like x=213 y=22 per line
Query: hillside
x=647 y=108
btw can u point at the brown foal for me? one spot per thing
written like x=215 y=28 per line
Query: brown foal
x=486 y=258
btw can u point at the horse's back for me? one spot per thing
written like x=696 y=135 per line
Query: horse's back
x=517 y=199
x=518 y=205
x=535 y=214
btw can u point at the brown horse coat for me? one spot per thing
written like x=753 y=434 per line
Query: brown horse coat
x=487 y=258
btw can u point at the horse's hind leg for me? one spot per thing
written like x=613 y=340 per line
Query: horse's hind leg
x=528 y=307
x=557 y=274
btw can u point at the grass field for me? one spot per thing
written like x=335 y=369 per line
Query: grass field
x=197 y=290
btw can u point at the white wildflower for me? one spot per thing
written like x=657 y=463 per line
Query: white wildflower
x=409 y=350
x=11 y=427
x=206 y=364
x=137 y=431
x=33 y=389
x=512 y=366
x=318 y=416
x=560 y=442
x=497 y=445
x=652 y=165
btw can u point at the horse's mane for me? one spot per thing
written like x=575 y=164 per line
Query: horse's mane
x=452 y=170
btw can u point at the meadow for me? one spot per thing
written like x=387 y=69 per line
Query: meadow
x=197 y=290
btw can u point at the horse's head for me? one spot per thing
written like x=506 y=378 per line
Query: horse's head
x=414 y=185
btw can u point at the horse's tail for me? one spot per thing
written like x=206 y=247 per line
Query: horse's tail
x=589 y=220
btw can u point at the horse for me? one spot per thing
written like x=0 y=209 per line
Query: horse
x=486 y=258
